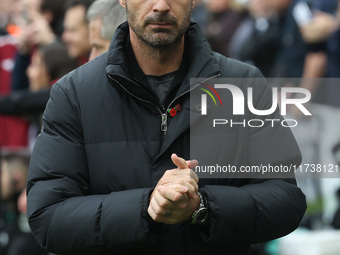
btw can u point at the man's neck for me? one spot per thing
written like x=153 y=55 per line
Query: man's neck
x=157 y=61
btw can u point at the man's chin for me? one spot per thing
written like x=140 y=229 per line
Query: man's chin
x=161 y=44
x=159 y=38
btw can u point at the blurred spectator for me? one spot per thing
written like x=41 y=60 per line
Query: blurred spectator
x=104 y=16
x=325 y=28
x=290 y=58
x=13 y=131
x=36 y=21
x=311 y=50
x=5 y=15
x=36 y=29
x=16 y=238
x=320 y=28
x=220 y=24
x=52 y=61
x=297 y=57
x=76 y=31
x=198 y=13
x=288 y=55
x=13 y=178
x=54 y=13
x=37 y=18
x=304 y=54
x=336 y=220
x=257 y=39
x=49 y=63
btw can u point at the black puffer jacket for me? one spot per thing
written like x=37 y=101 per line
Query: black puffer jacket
x=101 y=152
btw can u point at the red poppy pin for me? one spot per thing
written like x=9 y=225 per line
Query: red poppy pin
x=173 y=111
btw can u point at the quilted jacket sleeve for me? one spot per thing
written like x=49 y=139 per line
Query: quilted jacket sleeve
x=265 y=208
x=63 y=215
x=253 y=213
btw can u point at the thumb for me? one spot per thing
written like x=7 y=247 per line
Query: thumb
x=192 y=163
x=179 y=162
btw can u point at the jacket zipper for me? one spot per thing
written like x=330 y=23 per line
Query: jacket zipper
x=164 y=116
x=164 y=125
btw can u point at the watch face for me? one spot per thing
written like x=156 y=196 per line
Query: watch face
x=201 y=215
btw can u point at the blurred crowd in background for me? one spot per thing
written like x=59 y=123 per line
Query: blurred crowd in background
x=42 y=40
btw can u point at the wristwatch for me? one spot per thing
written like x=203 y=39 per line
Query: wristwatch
x=201 y=214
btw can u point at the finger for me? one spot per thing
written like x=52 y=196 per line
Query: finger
x=158 y=217
x=185 y=188
x=171 y=194
x=167 y=218
x=194 y=176
x=158 y=213
x=192 y=164
x=190 y=185
x=179 y=162
x=187 y=181
x=156 y=209
x=178 y=187
x=162 y=202
x=151 y=213
x=182 y=164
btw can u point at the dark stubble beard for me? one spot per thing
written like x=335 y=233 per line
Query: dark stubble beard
x=173 y=36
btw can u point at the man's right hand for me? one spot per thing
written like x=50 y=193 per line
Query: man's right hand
x=175 y=195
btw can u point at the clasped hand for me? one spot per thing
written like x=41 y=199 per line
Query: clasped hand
x=175 y=197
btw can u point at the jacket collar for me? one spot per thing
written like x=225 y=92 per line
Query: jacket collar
x=202 y=62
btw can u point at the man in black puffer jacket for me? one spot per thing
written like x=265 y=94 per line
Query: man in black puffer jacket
x=103 y=178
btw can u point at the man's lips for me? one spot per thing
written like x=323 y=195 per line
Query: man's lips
x=161 y=24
